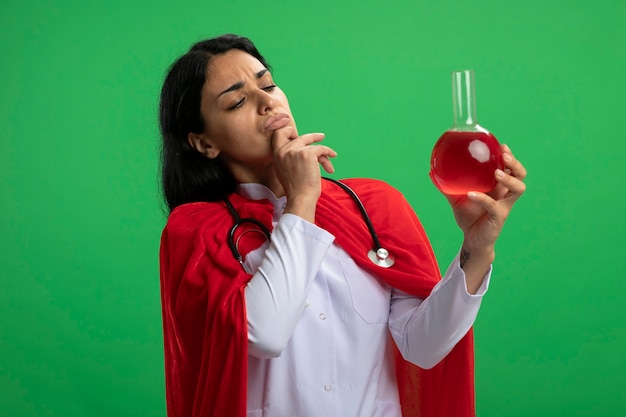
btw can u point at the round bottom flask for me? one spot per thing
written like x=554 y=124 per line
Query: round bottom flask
x=465 y=156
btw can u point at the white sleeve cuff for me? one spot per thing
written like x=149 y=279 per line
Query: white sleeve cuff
x=454 y=272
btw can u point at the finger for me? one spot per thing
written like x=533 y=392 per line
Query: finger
x=282 y=136
x=515 y=185
x=323 y=154
x=491 y=206
x=511 y=163
x=326 y=163
x=322 y=150
x=499 y=191
x=309 y=138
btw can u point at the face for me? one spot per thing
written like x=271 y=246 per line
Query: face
x=238 y=98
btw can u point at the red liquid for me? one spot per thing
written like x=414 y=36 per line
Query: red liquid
x=465 y=161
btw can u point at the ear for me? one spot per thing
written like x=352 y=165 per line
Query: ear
x=202 y=144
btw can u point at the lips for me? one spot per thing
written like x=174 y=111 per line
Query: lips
x=276 y=121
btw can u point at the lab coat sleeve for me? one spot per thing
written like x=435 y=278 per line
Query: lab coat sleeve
x=283 y=271
x=425 y=331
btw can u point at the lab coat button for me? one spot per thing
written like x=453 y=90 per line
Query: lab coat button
x=322 y=316
x=327 y=387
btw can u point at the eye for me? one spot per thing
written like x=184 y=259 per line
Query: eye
x=269 y=88
x=237 y=104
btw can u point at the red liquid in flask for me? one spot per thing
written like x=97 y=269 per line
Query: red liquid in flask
x=464 y=161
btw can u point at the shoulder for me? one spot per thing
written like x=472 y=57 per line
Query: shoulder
x=214 y=217
x=193 y=214
x=379 y=198
x=368 y=188
x=189 y=221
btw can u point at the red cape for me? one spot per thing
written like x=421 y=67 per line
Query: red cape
x=204 y=317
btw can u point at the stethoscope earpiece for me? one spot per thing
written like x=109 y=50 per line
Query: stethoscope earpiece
x=381 y=257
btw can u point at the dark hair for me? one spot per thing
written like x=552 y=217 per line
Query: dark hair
x=186 y=174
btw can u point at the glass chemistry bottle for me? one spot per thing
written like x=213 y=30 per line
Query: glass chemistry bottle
x=466 y=155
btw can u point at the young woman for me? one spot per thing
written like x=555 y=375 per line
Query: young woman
x=283 y=293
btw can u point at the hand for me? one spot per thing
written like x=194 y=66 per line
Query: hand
x=296 y=162
x=481 y=216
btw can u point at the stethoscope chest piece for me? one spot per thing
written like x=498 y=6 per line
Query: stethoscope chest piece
x=381 y=257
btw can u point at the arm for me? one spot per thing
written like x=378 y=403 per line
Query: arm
x=276 y=294
x=426 y=330
x=481 y=217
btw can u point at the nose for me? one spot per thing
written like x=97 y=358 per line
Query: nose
x=266 y=102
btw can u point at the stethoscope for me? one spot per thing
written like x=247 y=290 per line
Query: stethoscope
x=378 y=255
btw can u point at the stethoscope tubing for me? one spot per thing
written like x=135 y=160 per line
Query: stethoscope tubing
x=366 y=217
x=378 y=255
x=238 y=222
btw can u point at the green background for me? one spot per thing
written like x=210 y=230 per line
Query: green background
x=80 y=326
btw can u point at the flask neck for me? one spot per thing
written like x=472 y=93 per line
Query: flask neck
x=464 y=100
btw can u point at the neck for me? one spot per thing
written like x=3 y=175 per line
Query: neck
x=274 y=185
x=266 y=177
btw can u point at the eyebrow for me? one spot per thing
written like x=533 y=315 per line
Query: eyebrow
x=240 y=84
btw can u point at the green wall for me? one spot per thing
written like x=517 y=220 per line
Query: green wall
x=81 y=217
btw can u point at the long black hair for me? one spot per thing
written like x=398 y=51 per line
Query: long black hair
x=186 y=174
